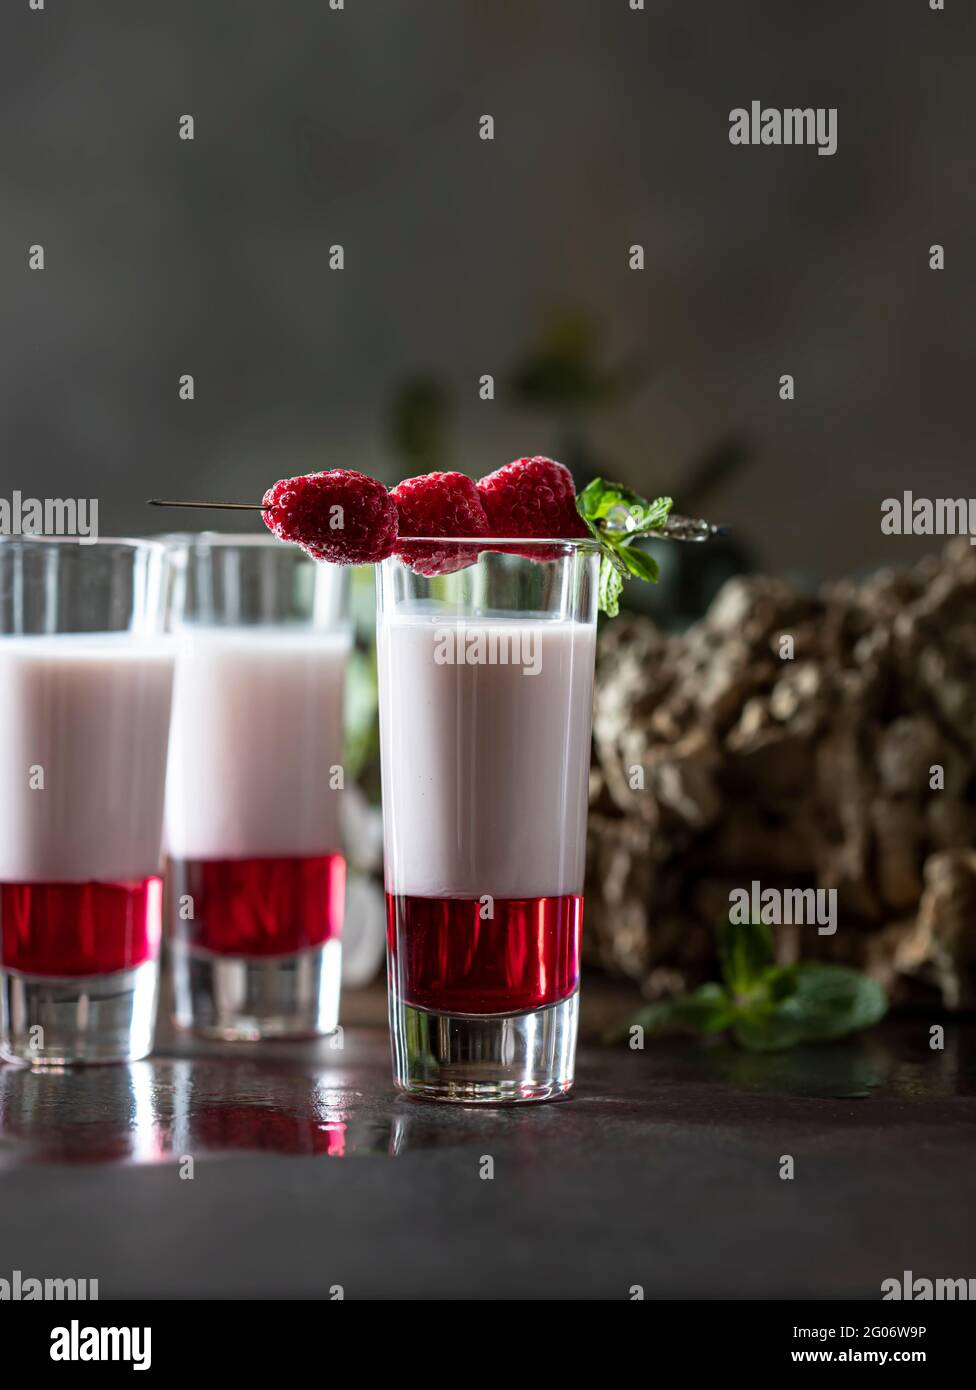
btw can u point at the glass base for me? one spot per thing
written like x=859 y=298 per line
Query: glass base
x=247 y=998
x=61 y=1021
x=484 y=1059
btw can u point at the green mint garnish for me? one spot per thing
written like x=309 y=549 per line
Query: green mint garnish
x=770 y=1007
x=617 y=517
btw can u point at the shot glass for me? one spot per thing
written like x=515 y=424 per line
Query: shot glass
x=485 y=691
x=86 y=673
x=255 y=865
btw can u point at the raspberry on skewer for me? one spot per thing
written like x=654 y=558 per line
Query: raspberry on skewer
x=532 y=497
x=341 y=516
x=439 y=504
x=536 y=498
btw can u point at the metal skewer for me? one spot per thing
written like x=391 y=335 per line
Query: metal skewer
x=676 y=528
x=688 y=528
x=221 y=506
x=620 y=522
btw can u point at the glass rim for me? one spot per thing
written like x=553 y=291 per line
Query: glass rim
x=131 y=543
x=582 y=543
x=221 y=538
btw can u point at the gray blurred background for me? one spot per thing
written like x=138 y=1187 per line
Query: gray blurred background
x=464 y=257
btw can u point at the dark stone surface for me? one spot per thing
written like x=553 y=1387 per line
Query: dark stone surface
x=663 y=1171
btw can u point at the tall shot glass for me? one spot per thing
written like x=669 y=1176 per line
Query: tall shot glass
x=255 y=863
x=85 y=682
x=485 y=689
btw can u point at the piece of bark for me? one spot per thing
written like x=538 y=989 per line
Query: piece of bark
x=717 y=761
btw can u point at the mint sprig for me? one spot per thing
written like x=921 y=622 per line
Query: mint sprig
x=616 y=517
x=769 y=1007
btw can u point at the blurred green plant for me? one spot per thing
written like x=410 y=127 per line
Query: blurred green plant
x=419 y=425
x=562 y=375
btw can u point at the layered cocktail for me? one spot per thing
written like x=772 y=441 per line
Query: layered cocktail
x=85 y=684
x=256 y=870
x=486 y=679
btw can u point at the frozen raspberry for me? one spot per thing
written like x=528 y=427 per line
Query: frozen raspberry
x=532 y=497
x=344 y=517
x=439 y=504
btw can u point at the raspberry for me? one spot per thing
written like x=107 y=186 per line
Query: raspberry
x=439 y=504
x=532 y=497
x=341 y=516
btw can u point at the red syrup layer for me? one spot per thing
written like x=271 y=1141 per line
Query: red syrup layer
x=445 y=957
x=80 y=928
x=257 y=907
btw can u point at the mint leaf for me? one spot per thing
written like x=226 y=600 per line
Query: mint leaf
x=639 y=563
x=599 y=500
x=609 y=587
x=745 y=951
x=832 y=1000
x=807 y=1003
x=706 y=1010
x=650 y=516
x=766 y=1032
x=615 y=516
x=771 y=1007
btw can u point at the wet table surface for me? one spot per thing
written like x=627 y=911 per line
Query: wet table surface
x=662 y=1171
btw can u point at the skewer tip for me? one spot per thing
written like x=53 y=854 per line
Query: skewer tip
x=219 y=506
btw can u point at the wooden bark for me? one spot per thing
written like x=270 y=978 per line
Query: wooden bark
x=717 y=761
